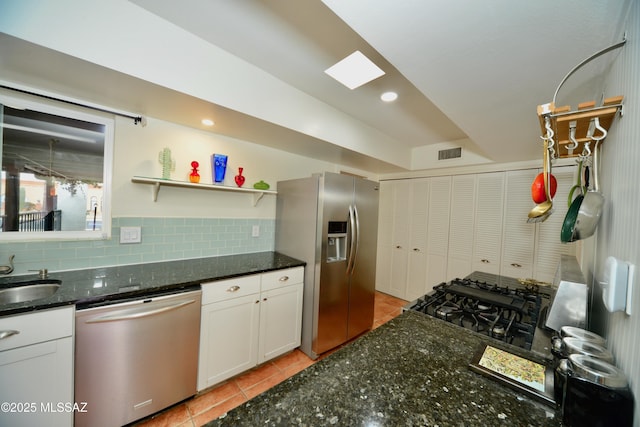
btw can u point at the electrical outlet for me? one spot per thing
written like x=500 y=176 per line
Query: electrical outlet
x=130 y=235
x=255 y=231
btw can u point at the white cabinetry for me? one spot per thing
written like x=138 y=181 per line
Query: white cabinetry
x=489 y=211
x=548 y=249
x=474 y=222
x=519 y=235
x=280 y=312
x=462 y=225
x=402 y=197
x=385 y=237
x=534 y=249
x=437 y=231
x=36 y=368
x=402 y=245
x=247 y=321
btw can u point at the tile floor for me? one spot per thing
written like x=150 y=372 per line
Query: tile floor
x=216 y=401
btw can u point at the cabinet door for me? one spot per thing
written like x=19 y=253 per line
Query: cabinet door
x=280 y=321
x=417 y=249
x=549 y=247
x=461 y=226
x=385 y=237
x=40 y=376
x=518 y=234
x=400 y=238
x=438 y=230
x=228 y=339
x=487 y=241
x=36 y=368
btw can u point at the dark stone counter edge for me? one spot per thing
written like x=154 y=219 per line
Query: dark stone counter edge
x=179 y=275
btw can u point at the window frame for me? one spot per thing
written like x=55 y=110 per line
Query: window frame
x=80 y=114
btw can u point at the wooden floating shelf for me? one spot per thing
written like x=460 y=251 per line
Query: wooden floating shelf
x=562 y=117
x=158 y=182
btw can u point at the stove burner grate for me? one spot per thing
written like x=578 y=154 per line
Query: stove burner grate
x=504 y=313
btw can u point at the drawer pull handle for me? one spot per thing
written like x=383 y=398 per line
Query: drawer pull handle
x=416 y=249
x=485 y=261
x=234 y=288
x=516 y=265
x=284 y=278
x=8 y=333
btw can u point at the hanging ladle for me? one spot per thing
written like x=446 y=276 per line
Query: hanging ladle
x=541 y=211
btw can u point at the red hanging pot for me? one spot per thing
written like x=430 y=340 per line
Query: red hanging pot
x=537 y=188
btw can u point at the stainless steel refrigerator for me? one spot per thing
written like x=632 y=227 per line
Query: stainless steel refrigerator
x=331 y=222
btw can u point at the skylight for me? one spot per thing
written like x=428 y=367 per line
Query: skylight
x=354 y=70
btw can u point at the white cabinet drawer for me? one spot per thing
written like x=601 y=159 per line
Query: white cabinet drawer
x=279 y=278
x=232 y=288
x=35 y=327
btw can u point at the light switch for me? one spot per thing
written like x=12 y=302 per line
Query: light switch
x=130 y=235
x=255 y=231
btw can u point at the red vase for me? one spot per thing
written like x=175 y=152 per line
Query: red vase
x=194 y=176
x=239 y=178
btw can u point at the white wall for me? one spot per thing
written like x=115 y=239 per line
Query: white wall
x=136 y=153
x=618 y=233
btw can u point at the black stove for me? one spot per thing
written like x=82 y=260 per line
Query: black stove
x=500 y=307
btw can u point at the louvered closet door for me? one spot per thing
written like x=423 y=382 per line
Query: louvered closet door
x=385 y=232
x=438 y=230
x=417 y=250
x=518 y=235
x=549 y=247
x=400 y=239
x=461 y=227
x=489 y=212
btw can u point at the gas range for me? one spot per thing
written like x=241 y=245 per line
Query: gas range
x=503 y=308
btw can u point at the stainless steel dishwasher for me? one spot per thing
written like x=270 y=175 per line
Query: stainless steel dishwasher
x=135 y=358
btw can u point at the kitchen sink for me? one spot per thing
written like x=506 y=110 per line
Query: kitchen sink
x=29 y=291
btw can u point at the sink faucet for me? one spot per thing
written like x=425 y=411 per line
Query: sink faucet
x=42 y=273
x=7 y=269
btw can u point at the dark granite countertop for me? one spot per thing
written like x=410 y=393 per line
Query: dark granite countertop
x=411 y=371
x=108 y=283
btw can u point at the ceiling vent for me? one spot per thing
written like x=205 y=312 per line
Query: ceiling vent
x=451 y=153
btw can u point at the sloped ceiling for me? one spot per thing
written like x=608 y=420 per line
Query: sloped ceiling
x=468 y=73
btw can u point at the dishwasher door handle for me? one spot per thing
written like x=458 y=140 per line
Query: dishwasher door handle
x=138 y=312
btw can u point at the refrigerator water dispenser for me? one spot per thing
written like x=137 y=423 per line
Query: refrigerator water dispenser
x=337 y=241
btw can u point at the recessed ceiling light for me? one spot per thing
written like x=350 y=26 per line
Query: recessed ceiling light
x=389 y=96
x=207 y=122
x=354 y=70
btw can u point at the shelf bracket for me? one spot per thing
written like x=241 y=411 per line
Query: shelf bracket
x=155 y=189
x=256 y=198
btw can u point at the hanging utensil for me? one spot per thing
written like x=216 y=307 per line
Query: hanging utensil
x=591 y=206
x=569 y=223
x=578 y=185
x=541 y=211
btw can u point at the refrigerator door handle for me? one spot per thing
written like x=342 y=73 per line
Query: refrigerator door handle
x=352 y=243
x=357 y=238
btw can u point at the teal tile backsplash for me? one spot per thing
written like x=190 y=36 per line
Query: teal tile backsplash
x=162 y=239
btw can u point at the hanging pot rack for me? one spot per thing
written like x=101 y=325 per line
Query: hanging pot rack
x=572 y=128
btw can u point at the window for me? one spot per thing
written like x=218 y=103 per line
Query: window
x=56 y=172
